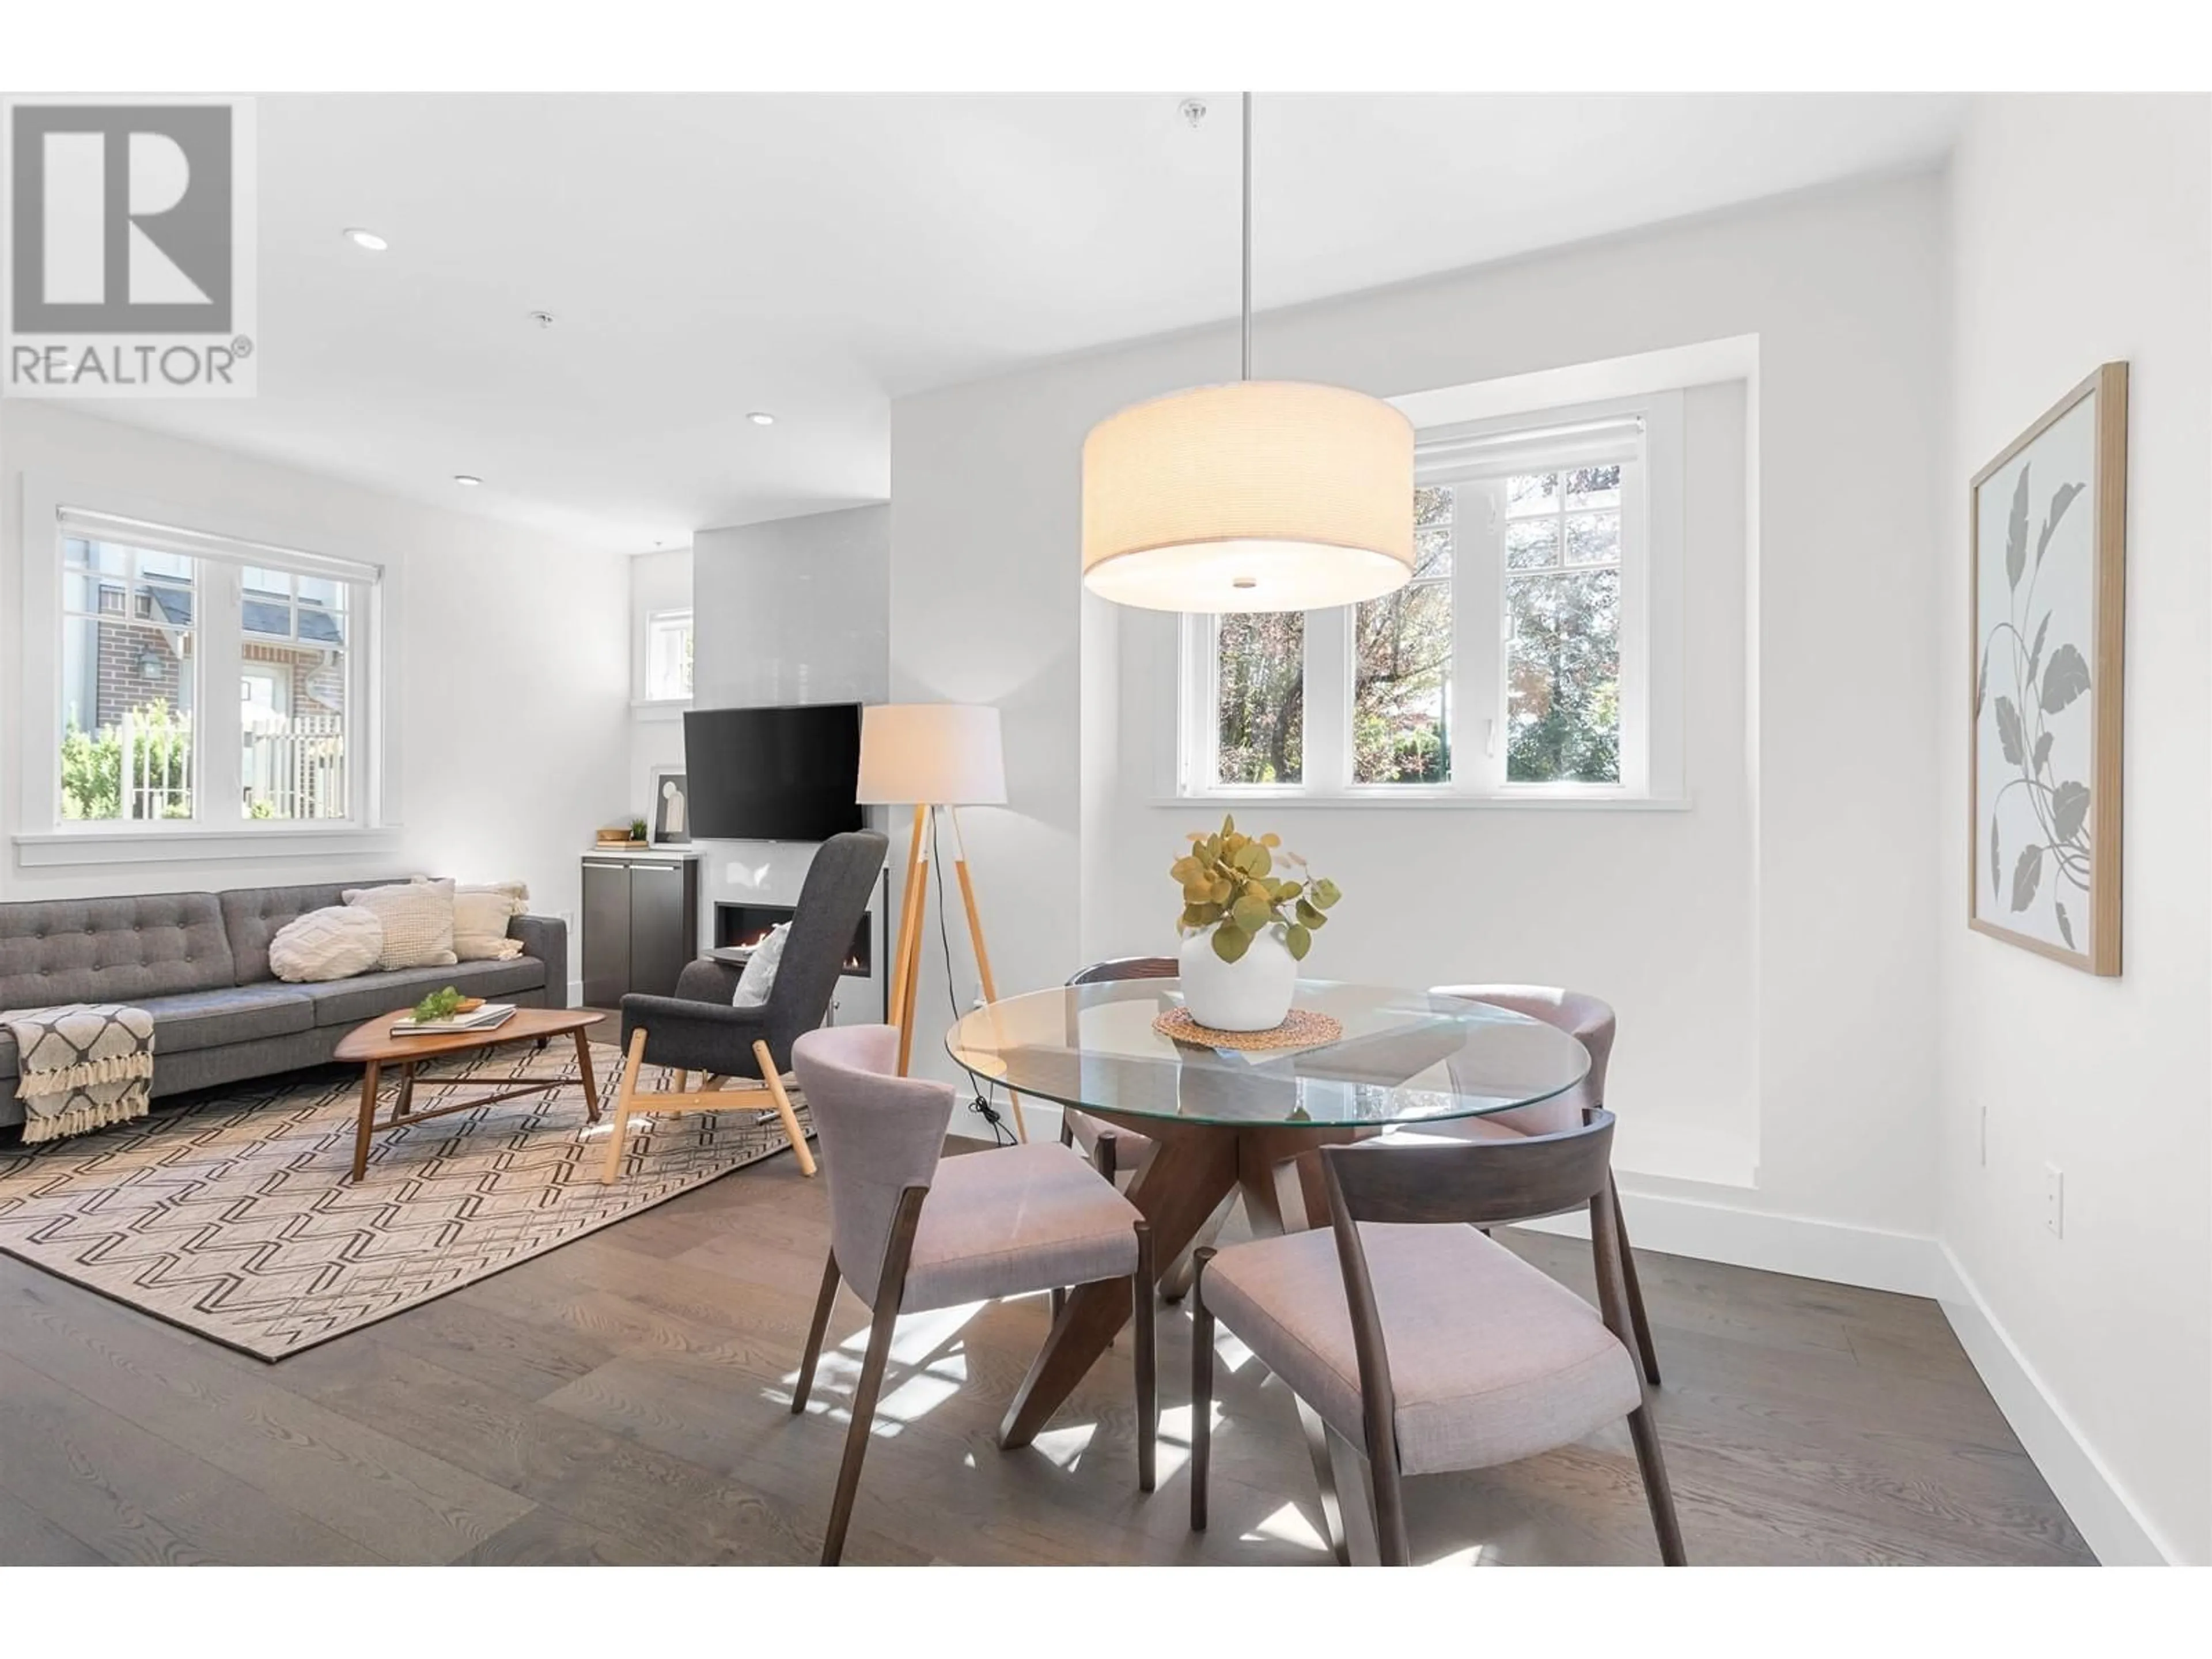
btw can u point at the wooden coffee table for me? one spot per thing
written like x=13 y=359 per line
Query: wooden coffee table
x=373 y=1045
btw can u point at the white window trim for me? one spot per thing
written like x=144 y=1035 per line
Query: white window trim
x=41 y=836
x=1651 y=628
x=646 y=707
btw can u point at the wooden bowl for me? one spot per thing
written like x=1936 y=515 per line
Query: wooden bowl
x=470 y=1004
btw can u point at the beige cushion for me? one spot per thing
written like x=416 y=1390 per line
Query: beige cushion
x=1490 y=1360
x=336 y=943
x=1017 y=1219
x=480 y=917
x=418 y=922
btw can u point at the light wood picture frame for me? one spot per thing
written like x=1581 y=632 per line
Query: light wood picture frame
x=671 y=822
x=2047 y=603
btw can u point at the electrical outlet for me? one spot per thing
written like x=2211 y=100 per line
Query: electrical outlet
x=2054 y=1201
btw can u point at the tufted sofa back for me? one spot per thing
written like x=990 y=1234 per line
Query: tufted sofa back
x=253 y=915
x=113 y=950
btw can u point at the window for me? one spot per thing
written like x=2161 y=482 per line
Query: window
x=154 y=623
x=668 y=656
x=1562 y=626
x=130 y=682
x=1515 y=664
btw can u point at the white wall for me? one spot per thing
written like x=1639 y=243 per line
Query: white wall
x=790 y=610
x=2081 y=233
x=657 y=581
x=1792 y=866
x=509 y=663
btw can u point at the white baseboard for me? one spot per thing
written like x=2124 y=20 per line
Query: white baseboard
x=2093 y=1497
x=576 y=994
x=1807 y=1248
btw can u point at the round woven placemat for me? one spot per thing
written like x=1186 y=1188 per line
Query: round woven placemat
x=1303 y=1029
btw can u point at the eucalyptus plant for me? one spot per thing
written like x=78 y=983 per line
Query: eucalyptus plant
x=1229 y=884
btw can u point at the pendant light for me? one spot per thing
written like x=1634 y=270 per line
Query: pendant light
x=1255 y=495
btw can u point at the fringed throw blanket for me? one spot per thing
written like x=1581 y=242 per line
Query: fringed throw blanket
x=83 y=1067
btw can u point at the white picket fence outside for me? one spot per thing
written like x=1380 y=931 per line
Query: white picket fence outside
x=295 y=766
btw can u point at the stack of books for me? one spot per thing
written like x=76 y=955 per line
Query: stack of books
x=476 y=1019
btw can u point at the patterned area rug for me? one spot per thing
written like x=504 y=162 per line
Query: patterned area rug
x=231 y=1216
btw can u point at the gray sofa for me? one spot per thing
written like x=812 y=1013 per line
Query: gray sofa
x=199 y=963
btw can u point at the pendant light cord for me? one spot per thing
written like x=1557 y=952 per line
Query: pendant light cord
x=1248 y=236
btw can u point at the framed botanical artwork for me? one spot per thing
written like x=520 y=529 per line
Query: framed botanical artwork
x=671 y=808
x=2048 y=530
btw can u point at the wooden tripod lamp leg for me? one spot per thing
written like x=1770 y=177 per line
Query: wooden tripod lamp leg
x=916 y=924
x=909 y=908
x=982 y=956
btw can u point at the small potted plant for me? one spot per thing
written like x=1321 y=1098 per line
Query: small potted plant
x=1245 y=927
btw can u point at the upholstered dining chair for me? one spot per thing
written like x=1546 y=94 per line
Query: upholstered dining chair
x=1112 y=1152
x=1590 y=1022
x=910 y=1230
x=1423 y=1341
x=697 y=1030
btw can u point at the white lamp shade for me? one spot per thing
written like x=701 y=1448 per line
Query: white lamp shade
x=1258 y=495
x=931 y=754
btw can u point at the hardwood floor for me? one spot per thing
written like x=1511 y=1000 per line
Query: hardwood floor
x=623 y=1399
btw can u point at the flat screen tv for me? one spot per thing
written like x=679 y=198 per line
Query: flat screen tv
x=773 y=774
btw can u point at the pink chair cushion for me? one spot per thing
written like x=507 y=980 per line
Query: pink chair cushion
x=1020 y=1219
x=1490 y=1360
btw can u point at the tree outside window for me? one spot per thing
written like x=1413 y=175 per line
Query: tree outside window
x=1261 y=705
x=1563 y=616
x=1402 y=646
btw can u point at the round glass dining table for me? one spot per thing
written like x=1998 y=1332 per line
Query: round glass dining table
x=1226 y=1121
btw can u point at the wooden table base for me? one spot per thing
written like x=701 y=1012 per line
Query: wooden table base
x=1195 y=1167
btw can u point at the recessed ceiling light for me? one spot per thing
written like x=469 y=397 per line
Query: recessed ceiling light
x=761 y=417
x=367 y=239
x=467 y=480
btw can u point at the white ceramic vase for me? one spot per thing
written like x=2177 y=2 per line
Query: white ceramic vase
x=1252 y=993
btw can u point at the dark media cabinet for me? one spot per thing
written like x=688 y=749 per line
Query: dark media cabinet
x=641 y=923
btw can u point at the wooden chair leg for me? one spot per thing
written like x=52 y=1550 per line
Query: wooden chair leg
x=683 y=1081
x=1107 y=1159
x=796 y=1135
x=1201 y=1391
x=1386 y=1490
x=856 y=1435
x=1656 y=1490
x=1644 y=1349
x=1056 y=1298
x=823 y=1304
x=1148 y=1379
x=890 y=1291
x=625 y=1097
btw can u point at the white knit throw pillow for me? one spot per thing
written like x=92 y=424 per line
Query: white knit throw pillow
x=418 y=922
x=333 y=944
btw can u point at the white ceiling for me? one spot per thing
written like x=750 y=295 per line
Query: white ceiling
x=815 y=256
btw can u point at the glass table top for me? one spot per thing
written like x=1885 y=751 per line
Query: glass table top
x=1405 y=1057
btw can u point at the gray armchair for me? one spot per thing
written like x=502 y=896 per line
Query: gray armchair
x=697 y=1031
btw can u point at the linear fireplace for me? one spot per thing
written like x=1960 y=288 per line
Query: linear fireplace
x=738 y=927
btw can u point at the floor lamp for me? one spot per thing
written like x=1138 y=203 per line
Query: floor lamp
x=928 y=755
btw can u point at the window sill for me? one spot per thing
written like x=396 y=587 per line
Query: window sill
x=658 y=708
x=1230 y=801
x=59 y=847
